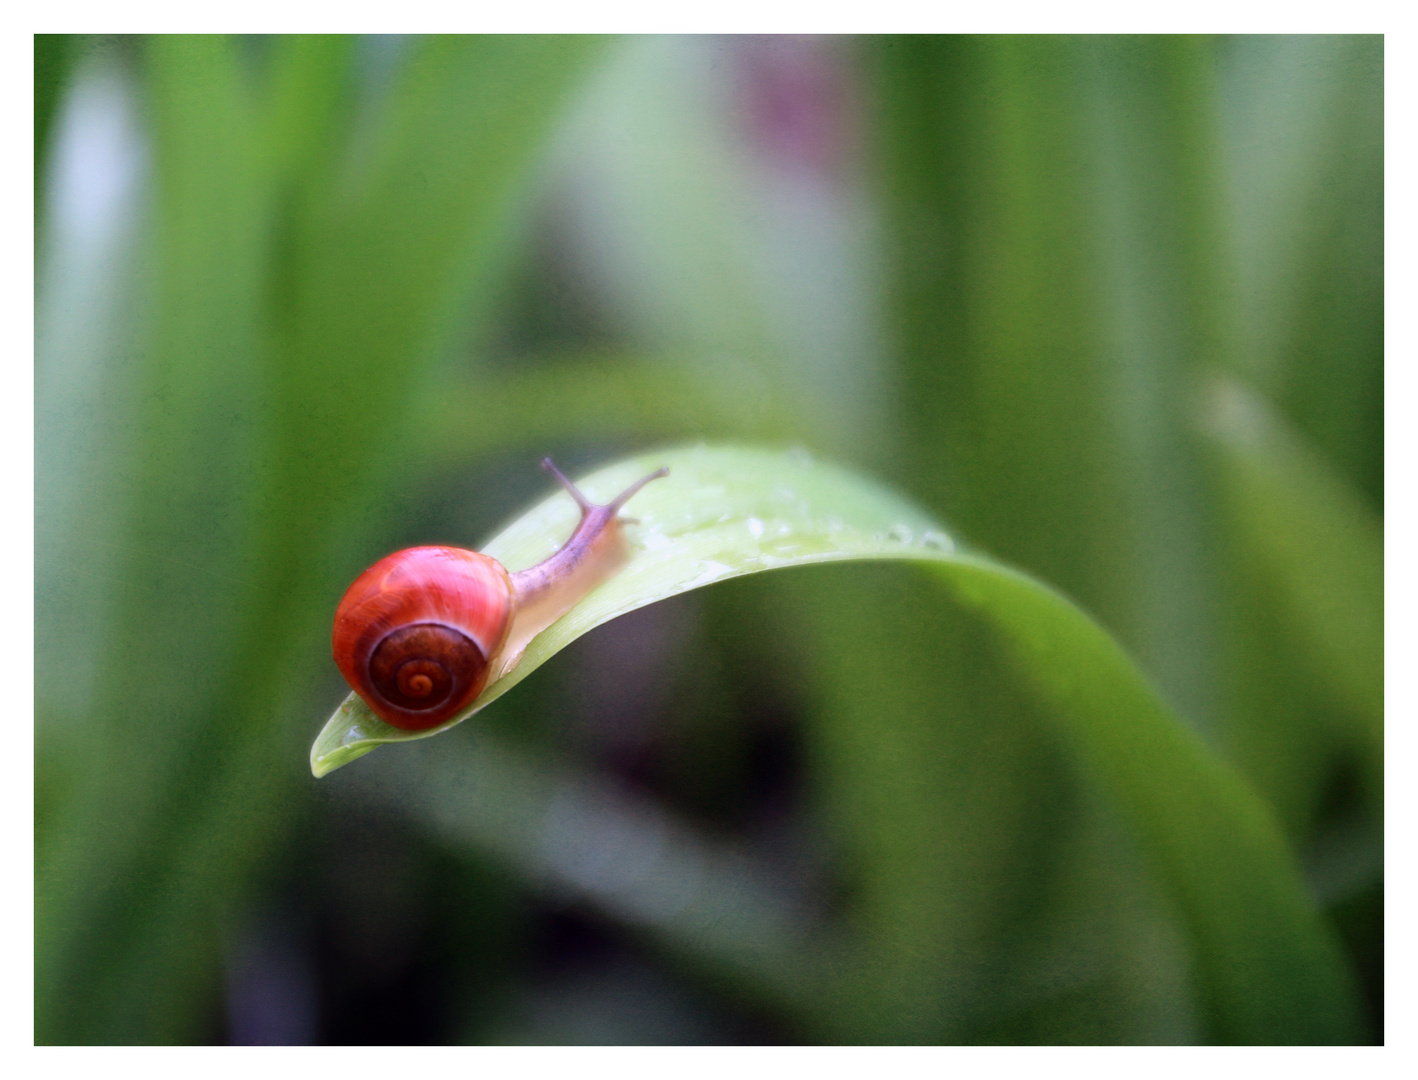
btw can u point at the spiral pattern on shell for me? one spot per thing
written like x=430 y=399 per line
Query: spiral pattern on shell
x=420 y=668
x=416 y=632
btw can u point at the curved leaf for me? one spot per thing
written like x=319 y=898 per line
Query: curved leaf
x=721 y=513
x=1265 y=962
x=1271 y=971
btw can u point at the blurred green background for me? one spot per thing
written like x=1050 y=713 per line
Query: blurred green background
x=1109 y=307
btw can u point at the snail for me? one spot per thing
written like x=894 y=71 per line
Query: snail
x=422 y=631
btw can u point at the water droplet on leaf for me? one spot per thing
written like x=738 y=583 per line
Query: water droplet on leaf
x=937 y=540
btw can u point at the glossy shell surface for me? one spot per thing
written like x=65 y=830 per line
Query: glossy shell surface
x=415 y=632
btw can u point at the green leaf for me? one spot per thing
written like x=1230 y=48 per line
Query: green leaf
x=1320 y=539
x=568 y=395
x=1314 y=550
x=1052 y=249
x=1265 y=962
x=297 y=276
x=1270 y=970
x=721 y=512
x=1305 y=149
x=54 y=56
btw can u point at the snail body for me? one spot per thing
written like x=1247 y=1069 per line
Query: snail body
x=421 y=632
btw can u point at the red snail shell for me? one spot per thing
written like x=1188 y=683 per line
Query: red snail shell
x=415 y=631
x=422 y=631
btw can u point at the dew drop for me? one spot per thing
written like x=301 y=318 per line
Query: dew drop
x=901 y=534
x=755 y=526
x=937 y=540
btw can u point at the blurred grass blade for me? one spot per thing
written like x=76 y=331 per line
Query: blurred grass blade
x=54 y=63
x=1317 y=544
x=622 y=852
x=304 y=277
x=715 y=245
x=1265 y=962
x=1305 y=139
x=1006 y=379
x=173 y=533
x=1053 y=250
x=567 y=396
